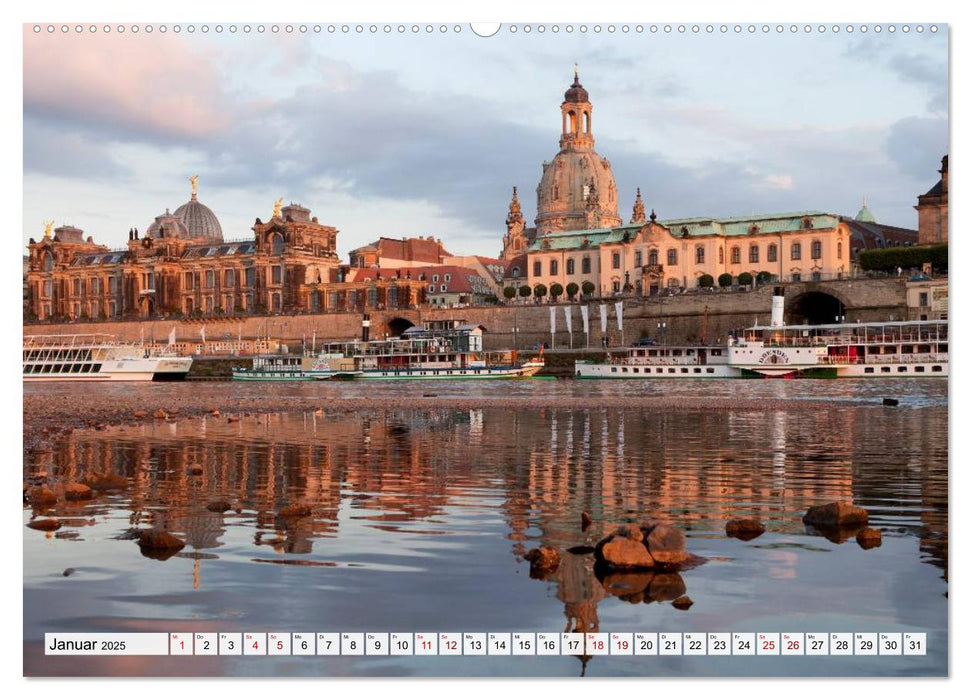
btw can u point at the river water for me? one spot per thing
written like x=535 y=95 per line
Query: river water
x=419 y=519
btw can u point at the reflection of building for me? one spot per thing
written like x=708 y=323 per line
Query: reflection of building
x=182 y=266
x=932 y=210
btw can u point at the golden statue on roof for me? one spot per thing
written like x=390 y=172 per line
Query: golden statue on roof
x=48 y=225
x=193 y=179
x=277 y=206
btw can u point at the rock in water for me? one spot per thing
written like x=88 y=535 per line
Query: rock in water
x=839 y=513
x=666 y=545
x=41 y=495
x=218 y=506
x=44 y=524
x=77 y=492
x=623 y=553
x=297 y=510
x=158 y=544
x=585 y=521
x=543 y=560
x=744 y=528
x=869 y=537
x=682 y=603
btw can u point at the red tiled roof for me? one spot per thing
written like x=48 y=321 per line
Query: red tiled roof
x=461 y=278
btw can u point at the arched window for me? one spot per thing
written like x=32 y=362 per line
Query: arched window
x=277 y=244
x=537 y=268
x=554 y=267
x=47 y=262
x=573 y=122
x=652 y=257
x=638 y=258
x=839 y=250
x=570 y=266
x=615 y=261
x=796 y=251
x=515 y=271
x=753 y=253
x=586 y=122
x=699 y=255
x=816 y=250
x=721 y=255
x=585 y=265
x=736 y=255
x=772 y=253
x=672 y=256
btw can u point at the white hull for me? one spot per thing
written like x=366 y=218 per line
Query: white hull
x=659 y=371
x=680 y=371
x=126 y=370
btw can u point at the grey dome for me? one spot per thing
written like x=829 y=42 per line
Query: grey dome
x=167 y=226
x=199 y=221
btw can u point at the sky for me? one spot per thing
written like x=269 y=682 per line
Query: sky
x=402 y=134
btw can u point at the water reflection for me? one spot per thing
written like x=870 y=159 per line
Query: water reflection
x=400 y=491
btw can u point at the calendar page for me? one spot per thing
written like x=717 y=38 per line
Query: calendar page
x=518 y=349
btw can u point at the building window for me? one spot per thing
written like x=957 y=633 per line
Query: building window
x=210 y=279
x=448 y=278
x=77 y=287
x=277 y=274
x=112 y=309
x=537 y=269
x=249 y=275
x=616 y=287
x=753 y=253
x=700 y=255
x=839 y=250
x=816 y=250
x=95 y=285
x=672 y=256
x=208 y=305
x=773 y=253
x=638 y=259
x=47 y=262
x=817 y=276
x=188 y=280
x=736 y=255
x=615 y=261
x=554 y=267
x=230 y=278
x=112 y=285
x=431 y=289
x=721 y=255
x=570 y=266
x=434 y=278
x=47 y=288
x=515 y=271
x=585 y=265
x=277 y=244
x=923 y=299
x=796 y=277
x=652 y=257
x=796 y=251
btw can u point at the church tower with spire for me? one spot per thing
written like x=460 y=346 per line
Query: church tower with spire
x=514 y=242
x=577 y=190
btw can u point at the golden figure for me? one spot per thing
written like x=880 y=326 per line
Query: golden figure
x=277 y=206
x=193 y=179
x=48 y=226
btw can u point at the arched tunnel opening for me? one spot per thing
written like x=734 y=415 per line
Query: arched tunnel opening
x=397 y=326
x=815 y=308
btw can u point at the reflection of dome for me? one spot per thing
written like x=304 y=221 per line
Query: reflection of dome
x=167 y=226
x=199 y=220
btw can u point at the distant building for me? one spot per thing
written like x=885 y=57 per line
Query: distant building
x=400 y=252
x=182 y=266
x=444 y=285
x=867 y=234
x=927 y=299
x=932 y=210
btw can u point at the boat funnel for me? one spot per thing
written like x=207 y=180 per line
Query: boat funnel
x=778 y=306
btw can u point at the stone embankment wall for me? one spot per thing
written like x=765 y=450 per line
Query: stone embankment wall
x=686 y=318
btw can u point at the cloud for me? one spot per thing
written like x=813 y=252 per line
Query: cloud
x=158 y=85
x=917 y=144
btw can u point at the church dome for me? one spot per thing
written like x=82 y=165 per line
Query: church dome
x=200 y=221
x=576 y=92
x=167 y=225
x=865 y=214
x=565 y=190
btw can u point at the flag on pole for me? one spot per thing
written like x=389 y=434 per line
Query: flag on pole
x=568 y=312
x=603 y=319
x=585 y=316
x=553 y=321
x=172 y=336
x=620 y=315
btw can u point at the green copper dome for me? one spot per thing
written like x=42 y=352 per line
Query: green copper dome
x=865 y=214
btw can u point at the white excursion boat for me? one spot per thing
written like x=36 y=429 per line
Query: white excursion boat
x=839 y=350
x=96 y=357
x=439 y=350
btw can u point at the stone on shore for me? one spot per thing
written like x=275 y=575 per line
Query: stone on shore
x=624 y=549
x=744 y=529
x=139 y=414
x=41 y=496
x=869 y=537
x=297 y=510
x=836 y=514
x=542 y=560
x=682 y=603
x=214 y=412
x=232 y=419
x=77 y=492
x=44 y=524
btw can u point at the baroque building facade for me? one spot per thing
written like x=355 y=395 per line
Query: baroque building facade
x=932 y=211
x=181 y=266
